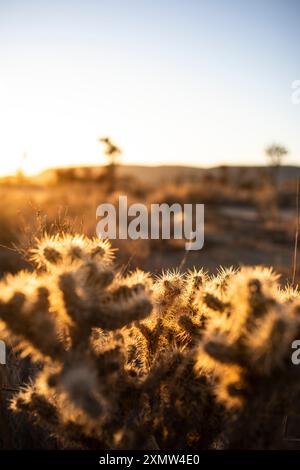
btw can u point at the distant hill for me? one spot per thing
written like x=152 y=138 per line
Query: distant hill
x=166 y=173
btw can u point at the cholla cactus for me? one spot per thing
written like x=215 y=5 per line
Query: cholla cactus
x=174 y=322
x=182 y=361
x=247 y=351
x=56 y=315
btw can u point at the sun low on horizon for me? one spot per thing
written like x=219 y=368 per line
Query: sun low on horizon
x=184 y=83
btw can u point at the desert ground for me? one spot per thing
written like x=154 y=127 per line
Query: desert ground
x=245 y=222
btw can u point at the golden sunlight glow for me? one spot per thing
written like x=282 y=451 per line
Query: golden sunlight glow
x=57 y=123
x=54 y=113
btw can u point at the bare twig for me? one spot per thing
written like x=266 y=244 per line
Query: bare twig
x=8 y=248
x=296 y=236
x=184 y=259
x=6 y=389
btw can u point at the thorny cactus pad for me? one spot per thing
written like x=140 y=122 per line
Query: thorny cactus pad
x=127 y=361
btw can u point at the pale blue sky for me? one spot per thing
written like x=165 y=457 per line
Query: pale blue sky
x=202 y=82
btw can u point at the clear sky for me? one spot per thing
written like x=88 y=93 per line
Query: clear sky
x=199 y=82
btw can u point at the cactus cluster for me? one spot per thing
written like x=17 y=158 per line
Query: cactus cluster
x=185 y=360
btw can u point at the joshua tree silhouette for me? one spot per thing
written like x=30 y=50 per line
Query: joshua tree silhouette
x=112 y=152
x=276 y=153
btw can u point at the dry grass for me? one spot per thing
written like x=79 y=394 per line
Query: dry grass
x=240 y=227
